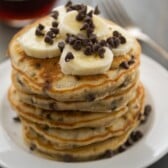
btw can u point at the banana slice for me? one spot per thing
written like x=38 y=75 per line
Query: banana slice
x=85 y=65
x=35 y=46
x=123 y=48
x=70 y=25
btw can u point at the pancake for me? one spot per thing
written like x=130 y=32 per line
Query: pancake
x=69 y=119
x=45 y=76
x=109 y=103
x=89 y=152
x=66 y=139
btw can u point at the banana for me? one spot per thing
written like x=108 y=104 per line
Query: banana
x=85 y=65
x=123 y=48
x=35 y=46
x=70 y=25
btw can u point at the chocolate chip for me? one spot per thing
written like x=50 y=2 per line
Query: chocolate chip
x=124 y=65
x=41 y=27
x=68 y=158
x=88 y=19
x=96 y=11
x=88 y=50
x=48 y=116
x=48 y=40
x=54 y=30
x=77 y=45
x=38 y=65
x=90 y=14
x=116 y=34
x=32 y=147
x=52 y=106
x=96 y=47
x=85 y=26
x=51 y=34
x=77 y=77
x=130 y=62
x=47 y=85
x=38 y=32
x=54 y=14
x=54 y=24
x=69 y=3
x=108 y=154
x=61 y=46
x=136 y=136
x=121 y=149
x=101 y=52
x=122 y=40
x=46 y=128
x=80 y=16
x=16 y=119
x=69 y=57
x=93 y=38
x=102 y=42
x=90 y=97
x=116 y=42
x=89 y=31
x=147 y=110
x=128 y=142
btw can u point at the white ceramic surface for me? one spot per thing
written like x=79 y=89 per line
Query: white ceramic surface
x=154 y=144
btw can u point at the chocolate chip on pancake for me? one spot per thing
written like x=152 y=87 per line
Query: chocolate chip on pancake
x=136 y=136
x=32 y=147
x=55 y=14
x=90 y=97
x=68 y=158
x=16 y=119
x=108 y=154
x=55 y=24
x=69 y=57
x=124 y=65
x=48 y=40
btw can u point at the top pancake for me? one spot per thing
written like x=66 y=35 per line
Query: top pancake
x=46 y=74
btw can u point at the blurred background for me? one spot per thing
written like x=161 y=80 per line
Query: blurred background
x=150 y=15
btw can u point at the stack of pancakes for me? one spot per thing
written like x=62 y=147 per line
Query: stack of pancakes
x=70 y=117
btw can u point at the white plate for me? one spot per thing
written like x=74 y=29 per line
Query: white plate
x=154 y=144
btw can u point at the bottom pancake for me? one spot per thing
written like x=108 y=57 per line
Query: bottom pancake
x=89 y=152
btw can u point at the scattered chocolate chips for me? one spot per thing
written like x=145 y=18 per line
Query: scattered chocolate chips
x=122 y=40
x=38 y=32
x=77 y=45
x=69 y=3
x=101 y=52
x=128 y=142
x=48 y=40
x=80 y=16
x=69 y=57
x=16 y=119
x=54 y=24
x=41 y=27
x=68 y=158
x=61 y=46
x=54 y=30
x=55 y=14
x=108 y=154
x=136 y=136
x=48 y=116
x=51 y=34
x=124 y=65
x=90 y=97
x=147 y=110
x=32 y=147
x=121 y=149
x=88 y=50
x=46 y=128
x=47 y=85
x=96 y=11
x=116 y=34
x=38 y=65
